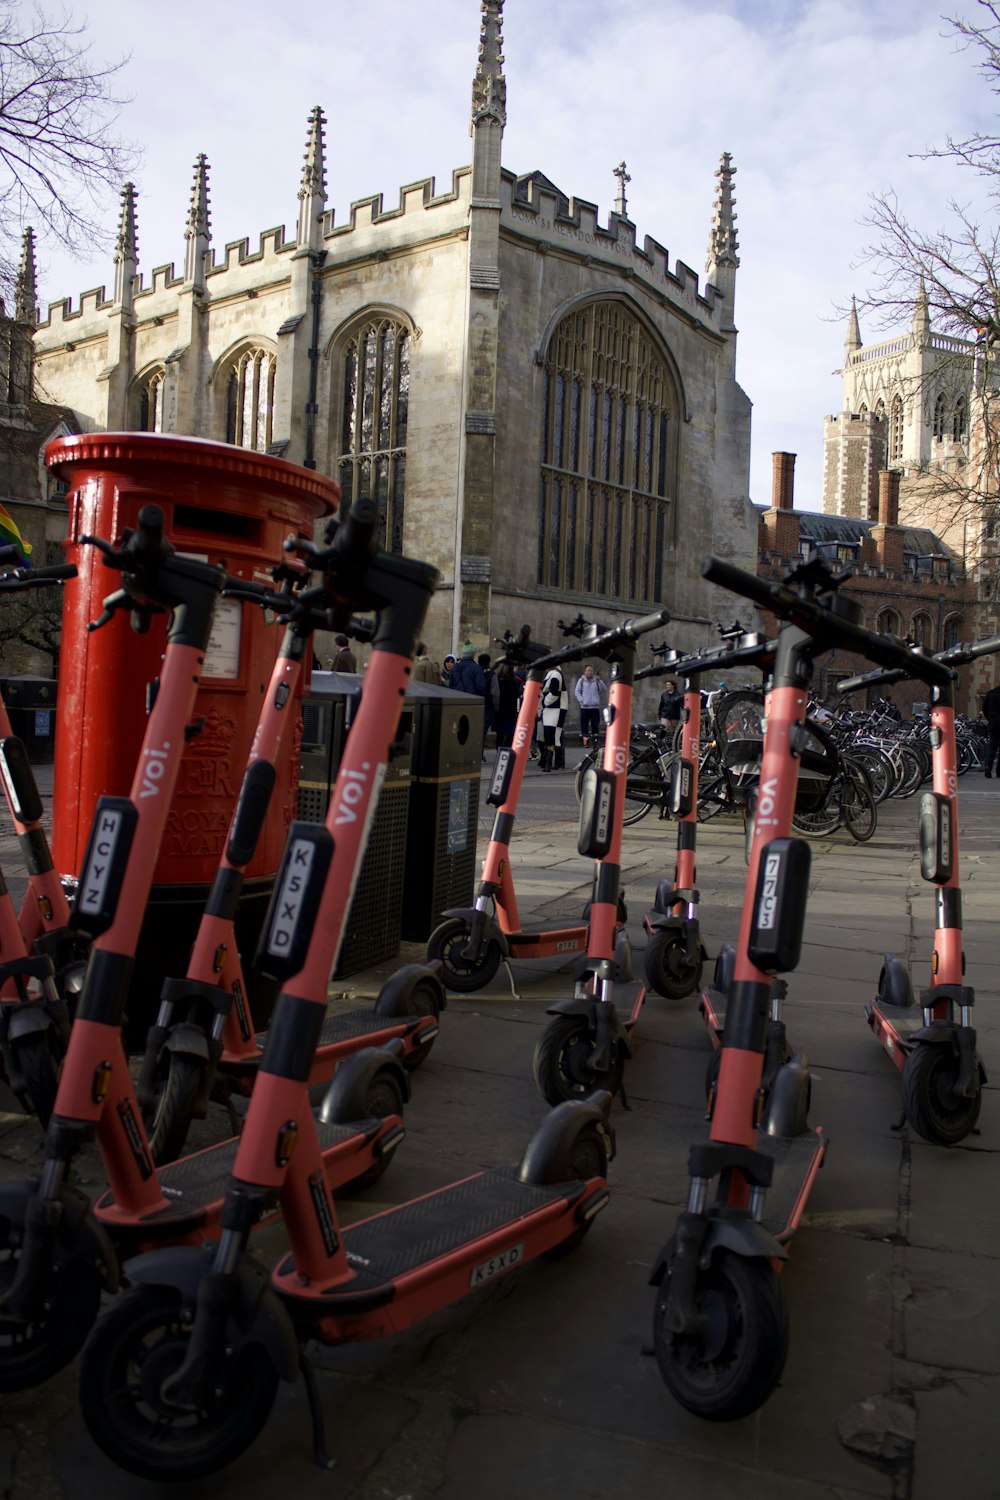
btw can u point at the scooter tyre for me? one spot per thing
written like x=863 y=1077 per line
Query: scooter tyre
x=932 y=1108
x=445 y=945
x=173 y=1110
x=383 y=1096
x=660 y=973
x=31 y=1355
x=40 y=1070
x=560 y=1065
x=138 y=1343
x=588 y=1157
x=731 y=1367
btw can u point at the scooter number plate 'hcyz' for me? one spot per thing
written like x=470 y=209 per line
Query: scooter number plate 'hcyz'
x=105 y=864
x=298 y=890
x=506 y=1260
x=779 y=908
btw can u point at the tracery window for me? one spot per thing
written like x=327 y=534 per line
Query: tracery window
x=938 y=426
x=608 y=457
x=376 y=385
x=922 y=630
x=896 y=430
x=950 y=632
x=150 y=404
x=888 y=622
x=249 y=386
x=958 y=420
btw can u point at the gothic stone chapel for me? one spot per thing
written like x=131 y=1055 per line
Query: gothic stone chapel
x=546 y=410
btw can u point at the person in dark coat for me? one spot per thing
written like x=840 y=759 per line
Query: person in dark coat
x=467 y=674
x=671 y=705
x=505 y=713
x=345 y=660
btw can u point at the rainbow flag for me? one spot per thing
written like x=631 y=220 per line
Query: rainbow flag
x=10 y=536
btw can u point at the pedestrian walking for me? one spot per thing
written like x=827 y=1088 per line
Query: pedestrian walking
x=467 y=675
x=446 y=667
x=589 y=692
x=345 y=660
x=508 y=698
x=671 y=706
x=425 y=670
x=489 y=696
x=555 y=707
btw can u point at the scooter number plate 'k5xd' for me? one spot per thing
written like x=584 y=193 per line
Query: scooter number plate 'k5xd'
x=295 y=902
x=506 y=1260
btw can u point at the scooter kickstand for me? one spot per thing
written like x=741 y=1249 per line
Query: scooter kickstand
x=320 y=1455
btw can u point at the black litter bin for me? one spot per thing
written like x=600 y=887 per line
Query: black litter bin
x=445 y=768
x=31 y=708
x=372 y=930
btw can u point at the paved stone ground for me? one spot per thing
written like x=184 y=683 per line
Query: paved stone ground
x=542 y=1387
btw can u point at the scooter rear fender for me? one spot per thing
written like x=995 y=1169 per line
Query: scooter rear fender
x=256 y=1317
x=492 y=931
x=25 y=1018
x=553 y=1139
x=742 y=1235
x=78 y=1235
x=392 y=997
x=894 y=984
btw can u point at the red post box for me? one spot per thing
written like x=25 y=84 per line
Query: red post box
x=226 y=505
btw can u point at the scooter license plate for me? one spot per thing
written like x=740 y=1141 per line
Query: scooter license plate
x=504 y=1260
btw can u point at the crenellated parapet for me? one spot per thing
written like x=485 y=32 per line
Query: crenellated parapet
x=534 y=206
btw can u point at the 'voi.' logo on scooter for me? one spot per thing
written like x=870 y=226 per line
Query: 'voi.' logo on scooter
x=153 y=769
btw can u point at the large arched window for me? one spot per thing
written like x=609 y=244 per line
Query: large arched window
x=922 y=630
x=896 y=430
x=376 y=385
x=888 y=622
x=248 y=381
x=938 y=428
x=148 y=399
x=608 y=457
x=950 y=632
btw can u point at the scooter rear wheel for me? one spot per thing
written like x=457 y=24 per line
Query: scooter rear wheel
x=560 y=1063
x=667 y=970
x=730 y=1367
x=932 y=1107
x=584 y=1157
x=32 y=1353
x=383 y=1096
x=445 y=946
x=140 y=1341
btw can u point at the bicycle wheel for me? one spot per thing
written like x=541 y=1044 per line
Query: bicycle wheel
x=859 y=812
x=645 y=786
x=822 y=820
x=877 y=767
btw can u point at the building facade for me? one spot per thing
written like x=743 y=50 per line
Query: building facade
x=543 y=405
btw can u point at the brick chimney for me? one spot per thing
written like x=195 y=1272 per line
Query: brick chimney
x=887 y=535
x=781 y=524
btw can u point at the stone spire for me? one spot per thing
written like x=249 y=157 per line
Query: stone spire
x=722 y=241
x=126 y=248
x=921 y=316
x=26 y=290
x=312 y=192
x=621 y=202
x=489 y=87
x=852 y=339
x=198 y=233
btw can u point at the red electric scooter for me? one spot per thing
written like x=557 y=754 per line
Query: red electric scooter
x=180 y=1375
x=471 y=943
x=720 y=1323
x=586 y=1045
x=675 y=953
x=36 y=946
x=204 y=1033
x=933 y=1043
x=57 y=1251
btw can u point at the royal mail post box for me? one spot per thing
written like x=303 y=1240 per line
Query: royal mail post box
x=225 y=505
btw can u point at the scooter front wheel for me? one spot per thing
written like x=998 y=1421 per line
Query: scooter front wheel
x=169 y=1121
x=730 y=1366
x=33 y=1352
x=446 y=945
x=561 y=1065
x=668 y=971
x=39 y=1068
x=136 y=1346
x=932 y=1107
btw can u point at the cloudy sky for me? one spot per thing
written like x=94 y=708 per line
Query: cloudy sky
x=821 y=102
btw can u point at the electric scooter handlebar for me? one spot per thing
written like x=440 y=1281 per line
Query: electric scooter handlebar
x=821 y=622
x=755 y=651
x=156 y=579
x=598 y=642
x=954 y=656
x=35 y=578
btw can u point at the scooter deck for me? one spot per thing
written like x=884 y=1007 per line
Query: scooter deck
x=385 y=1247
x=345 y=1025
x=797 y=1159
x=196 y=1185
x=904 y=1020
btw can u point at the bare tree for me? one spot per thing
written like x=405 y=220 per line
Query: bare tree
x=59 y=152
x=33 y=619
